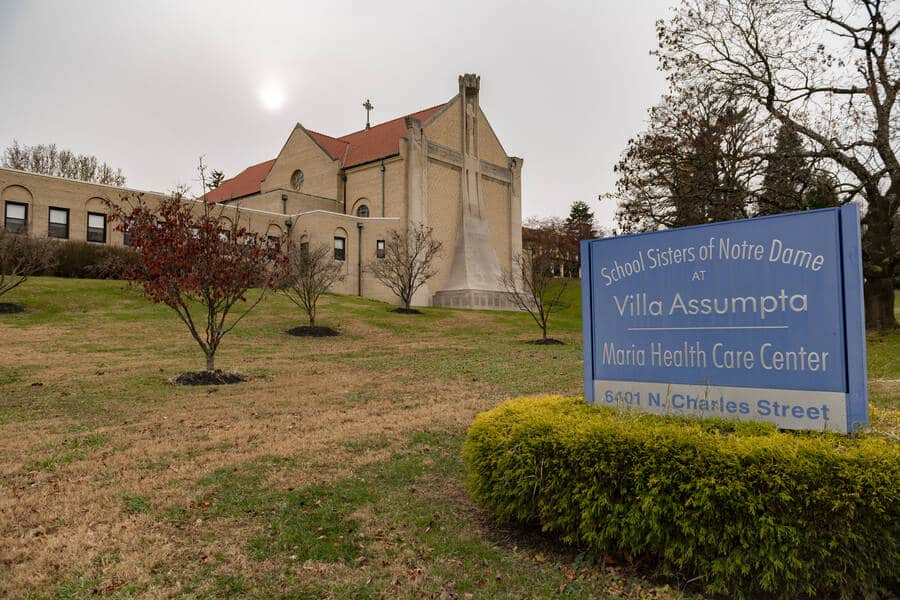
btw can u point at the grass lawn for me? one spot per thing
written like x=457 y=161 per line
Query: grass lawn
x=334 y=472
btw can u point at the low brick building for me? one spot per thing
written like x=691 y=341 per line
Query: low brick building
x=443 y=167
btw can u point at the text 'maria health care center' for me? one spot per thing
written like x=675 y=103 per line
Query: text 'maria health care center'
x=759 y=319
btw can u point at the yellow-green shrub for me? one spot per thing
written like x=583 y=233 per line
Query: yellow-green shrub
x=747 y=509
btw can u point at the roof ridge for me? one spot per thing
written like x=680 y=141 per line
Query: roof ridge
x=327 y=143
x=324 y=134
x=237 y=186
x=404 y=116
x=260 y=163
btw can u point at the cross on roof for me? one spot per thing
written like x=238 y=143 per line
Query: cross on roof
x=368 y=106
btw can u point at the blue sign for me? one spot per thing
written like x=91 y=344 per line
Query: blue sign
x=760 y=319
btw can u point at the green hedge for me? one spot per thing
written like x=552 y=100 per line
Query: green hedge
x=746 y=509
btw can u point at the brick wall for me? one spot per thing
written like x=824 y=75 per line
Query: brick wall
x=321 y=228
x=446 y=128
x=444 y=206
x=320 y=172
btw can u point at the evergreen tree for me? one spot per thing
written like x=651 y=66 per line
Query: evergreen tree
x=822 y=192
x=787 y=175
x=580 y=223
x=792 y=182
x=216 y=178
x=578 y=226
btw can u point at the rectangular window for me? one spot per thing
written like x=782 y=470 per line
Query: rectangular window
x=126 y=234
x=96 y=228
x=379 y=248
x=58 y=223
x=339 y=245
x=304 y=250
x=273 y=246
x=15 y=217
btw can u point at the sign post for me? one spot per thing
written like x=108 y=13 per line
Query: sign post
x=759 y=319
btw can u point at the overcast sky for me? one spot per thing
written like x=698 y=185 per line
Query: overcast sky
x=150 y=86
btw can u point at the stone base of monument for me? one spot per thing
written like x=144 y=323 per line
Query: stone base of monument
x=481 y=299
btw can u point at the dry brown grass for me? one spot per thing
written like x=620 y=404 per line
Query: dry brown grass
x=54 y=524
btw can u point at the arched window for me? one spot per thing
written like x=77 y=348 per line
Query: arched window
x=362 y=211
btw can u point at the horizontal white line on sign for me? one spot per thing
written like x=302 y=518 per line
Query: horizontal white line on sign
x=708 y=327
x=788 y=409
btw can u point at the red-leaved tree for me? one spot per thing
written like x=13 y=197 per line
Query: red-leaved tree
x=197 y=263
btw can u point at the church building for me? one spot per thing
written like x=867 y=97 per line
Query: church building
x=443 y=167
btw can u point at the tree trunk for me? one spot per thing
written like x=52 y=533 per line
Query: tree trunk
x=879 y=301
x=544 y=330
x=211 y=362
x=879 y=263
x=312 y=319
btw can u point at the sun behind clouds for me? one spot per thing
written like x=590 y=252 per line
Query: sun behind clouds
x=271 y=95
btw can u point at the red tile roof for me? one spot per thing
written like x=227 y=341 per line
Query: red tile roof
x=335 y=147
x=382 y=140
x=245 y=183
x=351 y=150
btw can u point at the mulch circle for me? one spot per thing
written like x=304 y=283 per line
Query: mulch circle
x=8 y=308
x=406 y=311
x=313 y=331
x=217 y=377
x=546 y=342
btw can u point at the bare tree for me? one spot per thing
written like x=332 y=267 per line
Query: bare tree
x=552 y=235
x=307 y=275
x=828 y=70
x=21 y=257
x=47 y=159
x=532 y=287
x=408 y=262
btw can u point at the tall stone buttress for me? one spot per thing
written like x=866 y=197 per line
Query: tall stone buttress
x=474 y=280
x=515 y=214
x=417 y=189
